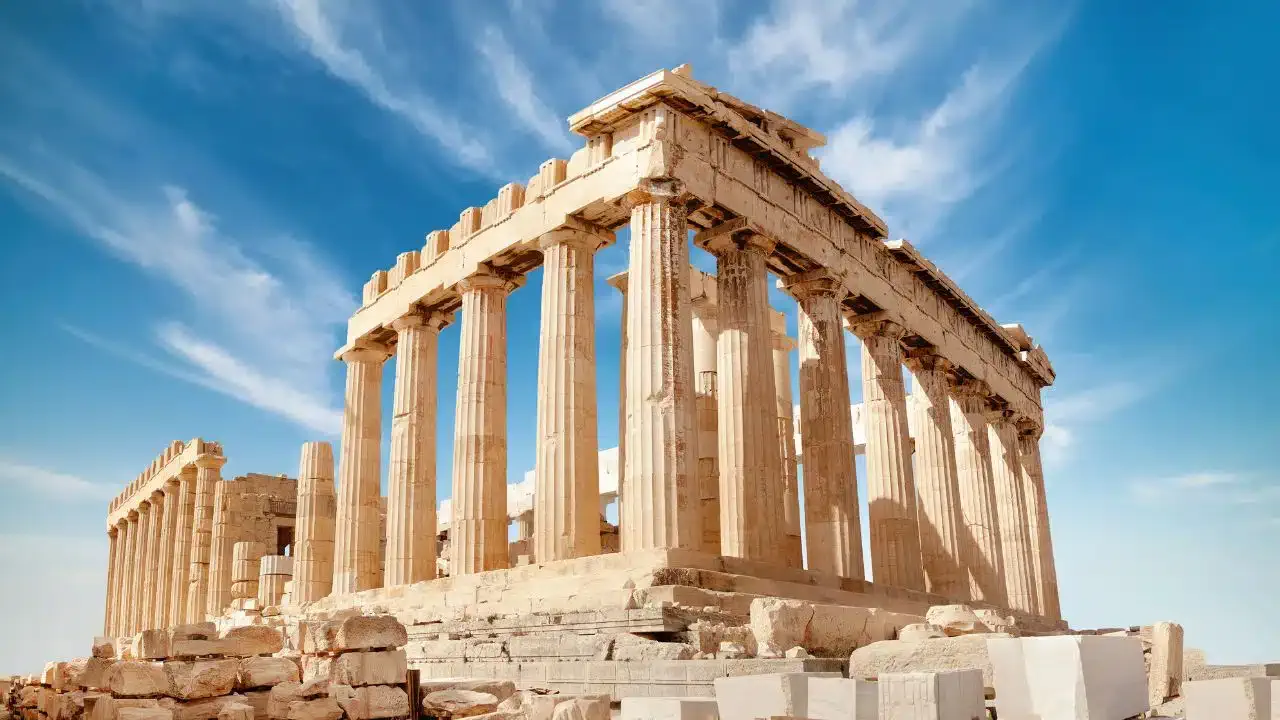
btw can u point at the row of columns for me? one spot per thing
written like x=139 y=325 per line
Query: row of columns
x=159 y=554
x=984 y=534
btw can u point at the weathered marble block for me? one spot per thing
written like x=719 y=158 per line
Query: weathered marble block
x=1069 y=677
x=1231 y=699
x=947 y=695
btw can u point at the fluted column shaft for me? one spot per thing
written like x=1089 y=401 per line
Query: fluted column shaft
x=411 y=488
x=985 y=561
x=1032 y=474
x=128 y=595
x=752 y=520
x=317 y=515
x=895 y=527
x=221 y=545
x=832 y=526
x=706 y=329
x=113 y=568
x=937 y=485
x=151 y=585
x=478 y=530
x=207 y=477
x=181 y=560
x=1011 y=509
x=356 y=543
x=567 y=468
x=143 y=580
x=619 y=282
x=164 y=562
x=782 y=347
x=660 y=507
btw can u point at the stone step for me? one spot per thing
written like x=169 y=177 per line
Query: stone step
x=604 y=620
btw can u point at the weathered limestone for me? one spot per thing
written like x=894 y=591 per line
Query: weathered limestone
x=706 y=329
x=566 y=471
x=1165 y=668
x=985 y=559
x=356 y=545
x=207 y=467
x=669 y=708
x=1231 y=699
x=832 y=525
x=659 y=481
x=1011 y=509
x=1031 y=473
x=185 y=527
x=782 y=347
x=815 y=695
x=1069 y=677
x=946 y=695
x=895 y=529
x=317 y=515
x=478 y=530
x=411 y=487
x=128 y=594
x=937 y=486
x=246 y=568
x=164 y=573
x=141 y=587
x=222 y=543
x=273 y=572
x=752 y=521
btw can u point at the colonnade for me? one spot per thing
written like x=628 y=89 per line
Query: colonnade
x=965 y=519
x=159 y=546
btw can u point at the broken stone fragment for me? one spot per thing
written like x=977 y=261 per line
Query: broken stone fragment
x=193 y=631
x=249 y=640
x=640 y=649
x=997 y=623
x=236 y=711
x=318 y=709
x=151 y=645
x=779 y=624
x=88 y=673
x=457 y=703
x=257 y=672
x=198 y=679
x=955 y=620
x=104 y=647
x=316 y=666
x=361 y=632
x=136 y=678
x=501 y=689
x=195 y=648
x=279 y=698
x=797 y=653
x=897 y=656
x=385 y=667
x=372 y=701
x=206 y=709
x=582 y=708
x=731 y=651
x=144 y=713
x=916 y=632
x=54 y=675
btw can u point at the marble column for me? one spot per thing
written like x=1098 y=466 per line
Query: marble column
x=706 y=329
x=478 y=530
x=619 y=282
x=411 y=488
x=832 y=526
x=186 y=508
x=356 y=543
x=317 y=515
x=752 y=520
x=782 y=347
x=113 y=567
x=207 y=477
x=1011 y=511
x=118 y=588
x=525 y=526
x=246 y=568
x=151 y=585
x=1031 y=472
x=985 y=561
x=567 y=467
x=891 y=488
x=128 y=595
x=659 y=501
x=141 y=587
x=274 y=572
x=937 y=485
x=222 y=542
x=164 y=562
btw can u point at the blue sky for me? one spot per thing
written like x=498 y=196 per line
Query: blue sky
x=192 y=194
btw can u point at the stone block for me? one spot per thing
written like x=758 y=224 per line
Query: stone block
x=316 y=666
x=88 y=673
x=896 y=656
x=249 y=640
x=258 y=700
x=1164 y=675
x=136 y=678
x=279 y=698
x=257 y=672
x=236 y=711
x=205 y=709
x=54 y=675
x=104 y=647
x=195 y=648
x=916 y=632
x=501 y=689
x=144 y=713
x=151 y=645
x=669 y=708
x=746 y=697
x=582 y=708
x=946 y=695
x=199 y=679
x=193 y=631
x=545 y=707
x=955 y=620
x=1229 y=699
x=317 y=709
x=378 y=667
x=361 y=632
x=459 y=703
x=837 y=698
x=372 y=701
x=1069 y=677
x=634 y=648
x=779 y=624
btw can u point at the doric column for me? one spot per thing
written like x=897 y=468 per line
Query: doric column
x=567 y=468
x=752 y=521
x=164 y=562
x=659 y=498
x=207 y=477
x=356 y=544
x=274 y=572
x=706 y=329
x=151 y=584
x=782 y=347
x=128 y=594
x=118 y=587
x=832 y=527
x=1011 y=510
x=186 y=509
x=411 y=488
x=222 y=542
x=619 y=282
x=1031 y=472
x=113 y=566
x=246 y=567
x=937 y=486
x=524 y=526
x=478 y=530
x=142 y=579
x=317 y=514
x=891 y=488
x=985 y=560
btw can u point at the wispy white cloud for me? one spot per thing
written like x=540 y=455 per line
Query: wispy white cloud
x=515 y=86
x=51 y=483
x=1220 y=487
x=1066 y=416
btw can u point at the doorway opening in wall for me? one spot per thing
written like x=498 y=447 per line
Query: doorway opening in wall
x=284 y=541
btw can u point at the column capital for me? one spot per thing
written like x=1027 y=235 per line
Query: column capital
x=187 y=474
x=783 y=341
x=214 y=462
x=815 y=282
x=579 y=234
x=157 y=496
x=422 y=318
x=171 y=485
x=122 y=522
x=366 y=351
x=1029 y=428
x=113 y=530
x=668 y=191
x=619 y=281
x=998 y=412
x=876 y=324
x=967 y=387
x=488 y=279
x=736 y=234
x=133 y=515
x=926 y=359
